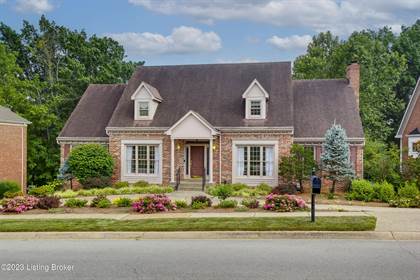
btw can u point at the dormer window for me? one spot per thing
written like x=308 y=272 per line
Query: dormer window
x=255 y=108
x=255 y=101
x=143 y=109
x=146 y=100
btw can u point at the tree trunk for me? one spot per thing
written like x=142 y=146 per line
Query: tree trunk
x=332 y=190
x=301 y=185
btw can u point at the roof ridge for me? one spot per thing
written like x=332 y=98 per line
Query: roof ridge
x=319 y=80
x=115 y=84
x=211 y=64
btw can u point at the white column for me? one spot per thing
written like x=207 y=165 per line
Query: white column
x=211 y=161
x=172 y=161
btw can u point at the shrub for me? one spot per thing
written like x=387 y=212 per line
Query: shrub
x=12 y=194
x=8 y=186
x=75 y=203
x=283 y=203
x=228 y=203
x=42 y=190
x=202 y=199
x=409 y=190
x=122 y=184
x=19 y=204
x=100 y=200
x=122 y=202
x=405 y=202
x=250 y=203
x=330 y=196
x=221 y=191
x=199 y=205
x=181 y=204
x=48 y=202
x=90 y=161
x=96 y=182
x=66 y=194
x=264 y=188
x=384 y=191
x=153 y=203
x=141 y=184
x=239 y=186
x=361 y=190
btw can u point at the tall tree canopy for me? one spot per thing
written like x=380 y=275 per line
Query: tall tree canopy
x=46 y=70
x=383 y=60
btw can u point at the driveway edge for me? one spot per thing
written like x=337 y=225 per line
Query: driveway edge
x=369 y=235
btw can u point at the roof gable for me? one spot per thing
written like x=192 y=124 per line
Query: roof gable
x=409 y=110
x=255 y=89
x=152 y=91
x=192 y=125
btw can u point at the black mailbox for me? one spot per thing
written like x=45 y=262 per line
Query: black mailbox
x=316 y=184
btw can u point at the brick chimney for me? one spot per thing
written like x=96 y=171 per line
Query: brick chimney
x=353 y=76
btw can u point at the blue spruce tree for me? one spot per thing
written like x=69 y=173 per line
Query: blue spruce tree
x=335 y=158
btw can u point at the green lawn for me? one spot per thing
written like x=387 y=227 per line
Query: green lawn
x=347 y=223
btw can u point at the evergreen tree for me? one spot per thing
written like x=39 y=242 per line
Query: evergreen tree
x=335 y=158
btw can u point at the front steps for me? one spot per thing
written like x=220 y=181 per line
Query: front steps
x=191 y=185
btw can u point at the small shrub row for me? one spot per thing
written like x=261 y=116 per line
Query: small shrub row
x=153 y=203
x=19 y=204
x=283 y=203
x=122 y=202
x=75 y=203
x=113 y=191
x=224 y=191
x=101 y=201
x=228 y=203
x=251 y=203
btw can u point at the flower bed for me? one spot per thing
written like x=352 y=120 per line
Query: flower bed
x=153 y=203
x=19 y=204
x=284 y=203
x=114 y=191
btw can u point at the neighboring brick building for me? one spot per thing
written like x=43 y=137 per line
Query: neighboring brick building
x=13 y=147
x=229 y=122
x=409 y=130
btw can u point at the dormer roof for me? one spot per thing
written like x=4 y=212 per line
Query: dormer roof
x=152 y=91
x=251 y=86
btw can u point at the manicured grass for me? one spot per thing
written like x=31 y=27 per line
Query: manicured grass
x=347 y=223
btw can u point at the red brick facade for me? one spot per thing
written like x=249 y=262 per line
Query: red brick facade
x=412 y=123
x=13 y=153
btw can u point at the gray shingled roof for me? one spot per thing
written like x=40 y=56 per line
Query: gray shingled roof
x=92 y=113
x=7 y=116
x=318 y=103
x=212 y=90
x=215 y=92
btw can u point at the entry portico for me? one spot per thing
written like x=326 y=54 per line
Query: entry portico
x=195 y=131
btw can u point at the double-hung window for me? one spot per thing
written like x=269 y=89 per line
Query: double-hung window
x=255 y=161
x=255 y=107
x=142 y=159
x=143 y=108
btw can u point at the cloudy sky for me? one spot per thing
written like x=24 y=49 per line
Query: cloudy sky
x=213 y=31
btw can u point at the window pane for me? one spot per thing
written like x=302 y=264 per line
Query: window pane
x=255 y=108
x=255 y=161
x=142 y=159
x=143 y=109
x=143 y=166
x=152 y=159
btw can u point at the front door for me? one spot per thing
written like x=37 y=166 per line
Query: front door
x=197 y=161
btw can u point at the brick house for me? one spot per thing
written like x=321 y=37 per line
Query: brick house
x=409 y=130
x=13 y=147
x=229 y=122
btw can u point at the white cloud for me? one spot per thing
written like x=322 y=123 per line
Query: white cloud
x=341 y=17
x=36 y=6
x=291 y=43
x=2 y=1
x=183 y=39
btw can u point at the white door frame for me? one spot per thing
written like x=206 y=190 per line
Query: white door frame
x=188 y=148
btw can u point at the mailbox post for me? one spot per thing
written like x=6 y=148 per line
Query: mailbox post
x=316 y=189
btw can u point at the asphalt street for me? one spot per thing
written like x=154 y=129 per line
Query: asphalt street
x=209 y=259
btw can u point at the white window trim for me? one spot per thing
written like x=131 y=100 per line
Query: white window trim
x=263 y=108
x=236 y=143
x=411 y=140
x=152 y=178
x=137 y=110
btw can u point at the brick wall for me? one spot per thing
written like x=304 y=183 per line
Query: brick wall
x=13 y=153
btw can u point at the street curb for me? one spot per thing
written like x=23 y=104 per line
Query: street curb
x=367 y=235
